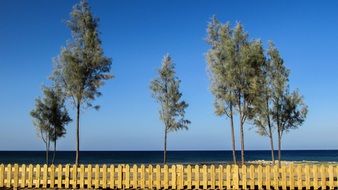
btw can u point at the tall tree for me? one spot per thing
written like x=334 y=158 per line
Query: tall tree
x=221 y=72
x=59 y=117
x=286 y=110
x=82 y=66
x=165 y=89
x=50 y=117
x=234 y=62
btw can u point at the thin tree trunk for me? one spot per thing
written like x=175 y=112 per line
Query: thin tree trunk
x=54 y=152
x=270 y=133
x=77 y=133
x=242 y=143
x=47 y=149
x=233 y=136
x=279 y=148
x=165 y=146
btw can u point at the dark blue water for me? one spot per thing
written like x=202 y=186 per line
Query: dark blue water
x=154 y=157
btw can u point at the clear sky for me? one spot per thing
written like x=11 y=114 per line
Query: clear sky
x=136 y=34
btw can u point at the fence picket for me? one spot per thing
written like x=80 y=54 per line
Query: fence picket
x=52 y=176
x=252 y=177
x=23 y=176
x=2 y=175
x=205 y=177
x=197 y=177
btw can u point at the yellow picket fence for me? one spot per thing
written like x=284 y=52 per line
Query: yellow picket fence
x=170 y=177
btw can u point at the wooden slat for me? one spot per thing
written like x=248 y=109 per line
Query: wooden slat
x=284 y=183
x=97 y=176
x=127 y=180
x=112 y=176
x=220 y=177
x=150 y=176
x=315 y=176
x=166 y=176
x=252 y=177
x=59 y=176
x=299 y=177
x=267 y=177
x=260 y=176
x=189 y=177
x=119 y=176
x=212 y=177
x=74 y=176
x=2 y=175
x=158 y=177
x=143 y=178
x=197 y=177
x=135 y=176
x=82 y=174
x=23 y=176
x=292 y=176
x=104 y=176
x=228 y=177
x=173 y=177
x=89 y=176
x=244 y=177
x=307 y=177
x=67 y=176
x=331 y=177
x=16 y=176
x=323 y=176
x=205 y=177
x=276 y=176
x=30 y=176
x=37 y=173
x=52 y=177
x=235 y=177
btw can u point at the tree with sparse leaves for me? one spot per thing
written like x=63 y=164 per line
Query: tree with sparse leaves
x=82 y=67
x=50 y=116
x=234 y=62
x=165 y=89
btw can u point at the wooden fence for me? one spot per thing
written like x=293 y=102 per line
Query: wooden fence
x=170 y=177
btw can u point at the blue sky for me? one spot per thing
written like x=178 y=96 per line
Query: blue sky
x=136 y=34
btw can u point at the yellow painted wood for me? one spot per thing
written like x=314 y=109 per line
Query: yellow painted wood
x=82 y=174
x=235 y=177
x=127 y=180
x=150 y=176
x=67 y=176
x=16 y=176
x=166 y=176
x=307 y=177
x=52 y=177
x=189 y=177
x=205 y=177
x=299 y=177
x=59 y=170
x=212 y=177
x=260 y=176
x=244 y=177
x=173 y=177
x=44 y=175
x=119 y=177
x=30 y=176
x=267 y=177
x=143 y=177
x=2 y=175
x=9 y=175
x=97 y=177
x=284 y=182
x=180 y=177
x=89 y=170
x=315 y=176
x=135 y=176
x=276 y=176
x=331 y=177
x=23 y=176
x=220 y=177
x=74 y=176
x=112 y=176
x=197 y=177
x=228 y=177
x=292 y=176
x=252 y=177
x=104 y=176
x=323 y=176
x=158 y=177
x=37 y=173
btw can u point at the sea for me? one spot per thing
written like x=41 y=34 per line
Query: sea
x=173 y=157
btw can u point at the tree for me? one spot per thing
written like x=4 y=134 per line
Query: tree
x=50 y=117
x=234 y=62
x=165 y=89
x=82 y=67
x=221 y=71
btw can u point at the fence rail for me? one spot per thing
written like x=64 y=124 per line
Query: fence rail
x=170 y=177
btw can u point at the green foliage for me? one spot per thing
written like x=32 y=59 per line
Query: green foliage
x=82 y=66
x=165 y=90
